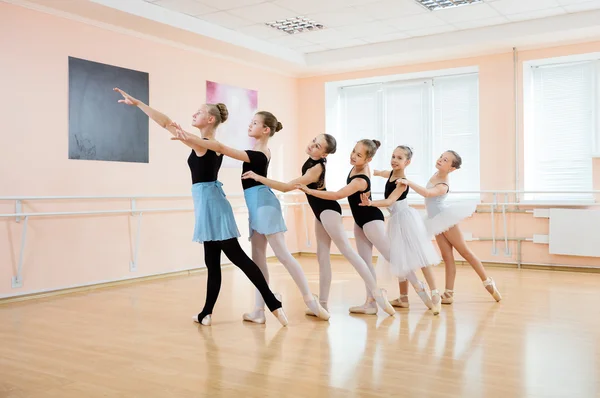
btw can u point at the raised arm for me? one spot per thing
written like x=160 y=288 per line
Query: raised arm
x=161 y=119
x=438 y=190
x=198 y=143
x=311 y=175
x=358 y=184
x=399 y=190
x=382 y=173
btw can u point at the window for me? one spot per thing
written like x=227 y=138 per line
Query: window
x=560 y=129
x=430 y=115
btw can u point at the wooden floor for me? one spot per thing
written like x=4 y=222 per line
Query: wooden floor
x=542 y=340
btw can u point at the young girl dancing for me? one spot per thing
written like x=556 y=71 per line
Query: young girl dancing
x=369 y=224
x=266 y=221
x=442 y=221
x=410 y=247
x=328 y=220
x=215 y=225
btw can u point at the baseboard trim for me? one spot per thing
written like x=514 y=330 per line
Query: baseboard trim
x=462 y=263
x=102 y=285
x=271 y=259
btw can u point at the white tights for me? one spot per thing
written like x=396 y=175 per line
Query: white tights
x=259 y=256
x=373 y=234
x=331 y=229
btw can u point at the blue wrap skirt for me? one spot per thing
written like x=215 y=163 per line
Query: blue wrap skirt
x=213 y=213
x=264 y=211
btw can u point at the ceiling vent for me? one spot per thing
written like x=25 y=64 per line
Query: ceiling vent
x=295 y=25
x=433 y=5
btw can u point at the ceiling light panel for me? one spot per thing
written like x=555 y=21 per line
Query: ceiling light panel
x=433 y=5
x=295 y=25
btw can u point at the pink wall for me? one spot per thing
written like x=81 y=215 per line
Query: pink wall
x=497 y=146
x=76 y=250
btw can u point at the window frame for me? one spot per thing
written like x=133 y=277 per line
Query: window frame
x=333 y=114
x=528 y=120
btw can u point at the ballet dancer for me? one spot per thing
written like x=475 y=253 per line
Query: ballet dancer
x=215 y=225
x=265 y=221
x=369 y=223
x=442 y=222
x=410 y=247
x=328 y=220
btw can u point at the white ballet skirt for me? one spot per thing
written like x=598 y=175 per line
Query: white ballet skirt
x=410 y=246
x=450 y=216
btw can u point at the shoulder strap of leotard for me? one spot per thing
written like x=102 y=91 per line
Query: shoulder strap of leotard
x=443 y=183
x=364 y=177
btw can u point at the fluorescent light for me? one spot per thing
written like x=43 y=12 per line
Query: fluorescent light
x=295 y=25
x=433 y=5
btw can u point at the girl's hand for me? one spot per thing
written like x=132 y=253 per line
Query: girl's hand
x=365 y=201
x=250 y=175
x=127 y=99
x=402 y=181
x=303 y=188
x=180 y=135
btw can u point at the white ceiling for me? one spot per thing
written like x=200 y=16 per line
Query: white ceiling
x=352 y=23
x=359 y=34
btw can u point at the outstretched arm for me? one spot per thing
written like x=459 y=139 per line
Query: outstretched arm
x=200 y=144
x=437 y=190
x=382 y=173
x=312 y=175
x=399 y=190
x=161 y=119
x=358 y=184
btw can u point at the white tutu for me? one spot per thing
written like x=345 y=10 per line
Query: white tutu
x=449 y=216
x=410 y=247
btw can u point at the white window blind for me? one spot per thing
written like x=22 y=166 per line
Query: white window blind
x=407 y=122
x=429 y=115
x=456 y=127
x=560 y=134
x=358 y=118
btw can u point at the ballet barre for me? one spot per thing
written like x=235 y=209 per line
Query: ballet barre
x=134 y=210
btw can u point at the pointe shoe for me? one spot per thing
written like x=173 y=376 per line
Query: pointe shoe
x=258 y=316
x=448 y=296
x=495 y=294
x=380 y=296
x=281 y=317
x=206 y=321
x=399 y=303
x=424 y=296
x=322 y=313
x=436 y=305
x=279 y=313
x=368 y=308
x=308 y=311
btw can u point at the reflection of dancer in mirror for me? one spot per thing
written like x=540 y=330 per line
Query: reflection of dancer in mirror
x=215 y=225
x=265 y=217
x=442 y=221
x=369 y=224
x=410 y=247
x=328 y=222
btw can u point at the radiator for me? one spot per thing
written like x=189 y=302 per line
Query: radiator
x=574 y=232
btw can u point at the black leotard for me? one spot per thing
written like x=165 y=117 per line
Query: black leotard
x=362 y=214
x=204 y=168
x=259 y=163
x=318 y=205
x=390 y=186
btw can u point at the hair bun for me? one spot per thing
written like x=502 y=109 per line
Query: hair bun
x=223 y=111
x=377 y=143
x=279 y=126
